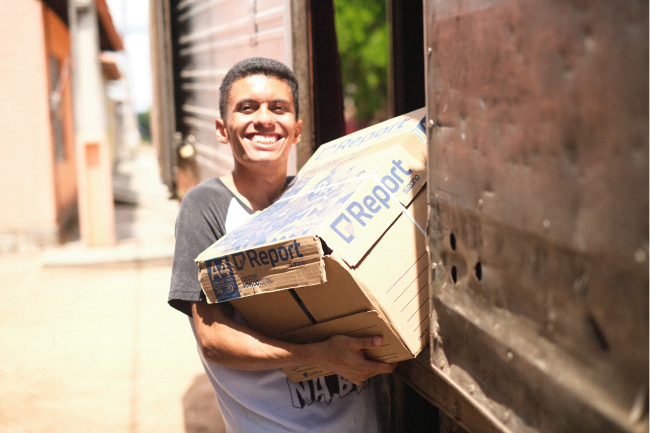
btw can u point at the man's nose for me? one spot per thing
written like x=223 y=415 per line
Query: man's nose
x=263 y=116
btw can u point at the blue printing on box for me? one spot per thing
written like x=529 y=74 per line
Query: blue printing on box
x=296 y=212
x=289 y=218
x=222 y=279
x=422 y=129
x=368 y=138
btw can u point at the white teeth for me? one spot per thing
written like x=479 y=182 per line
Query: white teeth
x=264 y=139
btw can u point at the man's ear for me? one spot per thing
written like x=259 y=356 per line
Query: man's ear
x=298 y=136
x=222 y=132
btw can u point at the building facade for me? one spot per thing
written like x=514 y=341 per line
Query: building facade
x=38 y=160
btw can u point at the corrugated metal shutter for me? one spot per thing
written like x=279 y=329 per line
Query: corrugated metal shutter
x=213 y=35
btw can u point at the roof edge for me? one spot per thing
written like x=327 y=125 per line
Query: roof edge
x=108 y=33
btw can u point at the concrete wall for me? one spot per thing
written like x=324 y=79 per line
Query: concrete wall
x=27 y=200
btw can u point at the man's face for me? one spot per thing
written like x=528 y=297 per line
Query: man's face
x=260 y=123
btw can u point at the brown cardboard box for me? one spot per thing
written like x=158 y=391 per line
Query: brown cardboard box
x=341 y=252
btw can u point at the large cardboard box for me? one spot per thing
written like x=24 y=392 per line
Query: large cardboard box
x=341 y=252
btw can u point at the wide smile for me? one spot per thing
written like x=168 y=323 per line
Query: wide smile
x=263 y=139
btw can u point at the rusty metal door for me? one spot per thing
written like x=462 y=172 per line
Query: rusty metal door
x=538 y=223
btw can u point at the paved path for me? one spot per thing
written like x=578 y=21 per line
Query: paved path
x=87 y=341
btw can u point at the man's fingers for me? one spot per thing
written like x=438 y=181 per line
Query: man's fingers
x=390 y=367
x=365 y=342
x=345 y=357
x=374 y=368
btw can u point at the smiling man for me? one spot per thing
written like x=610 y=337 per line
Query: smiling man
x=259 y=108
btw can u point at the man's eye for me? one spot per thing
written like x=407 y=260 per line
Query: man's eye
x=246 y=108
x=279 y=108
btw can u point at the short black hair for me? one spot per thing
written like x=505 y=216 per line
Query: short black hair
x=256 y=66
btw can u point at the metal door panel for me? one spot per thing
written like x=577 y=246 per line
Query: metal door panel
x=538 y=177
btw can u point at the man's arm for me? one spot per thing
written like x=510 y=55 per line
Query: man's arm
x=232 y=344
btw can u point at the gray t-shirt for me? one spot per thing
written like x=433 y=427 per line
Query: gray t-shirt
x=203 y=217
x=258 y=401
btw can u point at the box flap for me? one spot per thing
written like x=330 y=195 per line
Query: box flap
x=320 y=191
x=413 y=122
x=281 y=265
x=261 y=312
x=401 y=288
x=374 y=205
x=402 y=175
x=365 y=324
x=308 y=205
x=351 y=192
x=342 y=295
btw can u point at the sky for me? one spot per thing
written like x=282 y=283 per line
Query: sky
x=131 y=19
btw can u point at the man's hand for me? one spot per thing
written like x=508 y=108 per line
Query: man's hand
x=232 y=344
x=344 y=356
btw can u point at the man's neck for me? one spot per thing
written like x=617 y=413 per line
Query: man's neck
x=258 y=188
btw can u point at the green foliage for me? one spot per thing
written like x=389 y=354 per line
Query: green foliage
x=144 y=126
x=363 y=50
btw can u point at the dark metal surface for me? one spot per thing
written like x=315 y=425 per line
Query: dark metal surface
x=406 y=67
x=458 y=412
x=329 y=123
x=538 y=182
x=301 y=52
x=163 y=120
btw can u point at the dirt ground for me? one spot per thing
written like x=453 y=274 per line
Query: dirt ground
x=87 y=340
x=97 y=350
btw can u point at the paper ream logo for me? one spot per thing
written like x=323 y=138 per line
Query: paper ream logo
x=222 y=279
x=343 y=225
x=271 y=256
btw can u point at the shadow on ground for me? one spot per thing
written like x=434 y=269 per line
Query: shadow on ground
x=201 y=412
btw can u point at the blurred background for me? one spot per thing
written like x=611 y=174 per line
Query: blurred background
x=537 y=121
x=91 y=188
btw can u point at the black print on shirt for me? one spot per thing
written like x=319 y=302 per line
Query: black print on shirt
x=321 y=389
